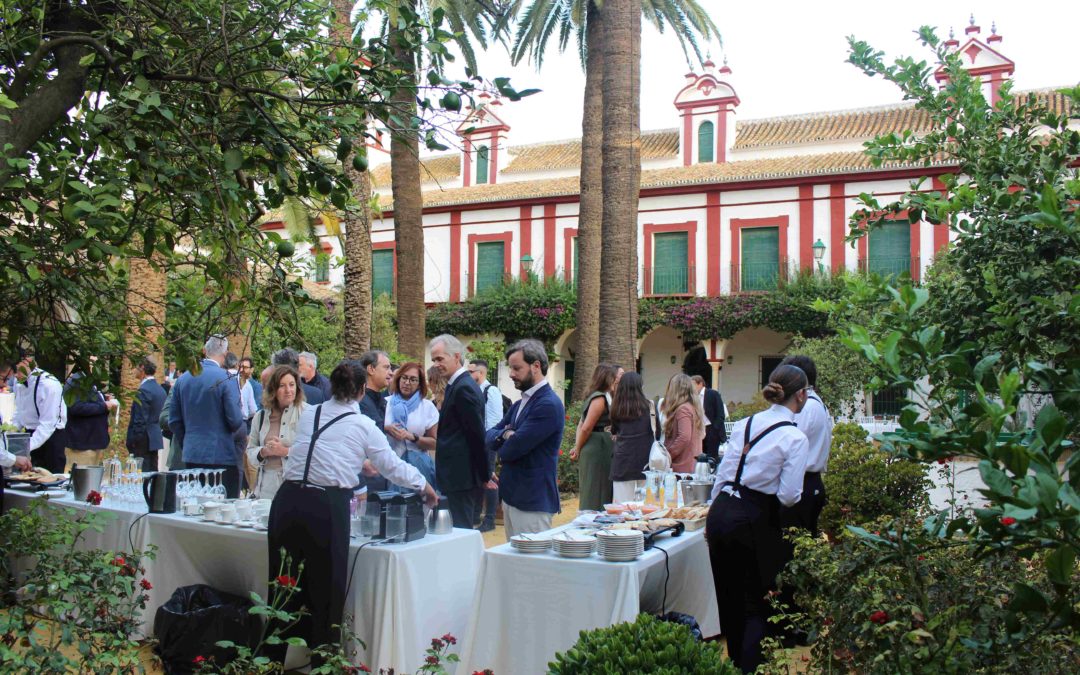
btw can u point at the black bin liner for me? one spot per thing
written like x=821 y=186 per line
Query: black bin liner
x=197 y=617
x=685 y=620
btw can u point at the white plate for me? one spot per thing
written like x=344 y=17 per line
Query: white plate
x=244 y=523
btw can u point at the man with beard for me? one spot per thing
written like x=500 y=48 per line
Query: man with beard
x=527 y=441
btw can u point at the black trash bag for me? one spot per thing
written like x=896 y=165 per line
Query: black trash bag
x=195 y=619
x=685 y=620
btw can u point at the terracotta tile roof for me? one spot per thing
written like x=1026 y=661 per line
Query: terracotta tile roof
x=697 y=174
x=657 y=144
x=842 y=125
x=437 y=168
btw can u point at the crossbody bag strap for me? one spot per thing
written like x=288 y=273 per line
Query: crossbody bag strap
x=315 y=437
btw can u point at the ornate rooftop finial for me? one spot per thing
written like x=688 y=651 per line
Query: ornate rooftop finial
x=971 y=21
x=993 y=27
x=952 y=33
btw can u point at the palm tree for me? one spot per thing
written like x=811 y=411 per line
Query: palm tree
x=465 y=18
x=536 y=24
x=357 y=244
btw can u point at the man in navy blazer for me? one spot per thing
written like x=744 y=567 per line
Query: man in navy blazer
x=527 y=442
x=144 y=438
x=205 y=414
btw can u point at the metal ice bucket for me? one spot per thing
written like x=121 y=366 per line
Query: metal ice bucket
x=85 y=479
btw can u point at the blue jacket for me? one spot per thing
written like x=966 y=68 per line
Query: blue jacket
x=530 y=457
x=144 y=432
x=204 y=415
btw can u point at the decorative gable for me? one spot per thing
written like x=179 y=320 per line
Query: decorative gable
x=981 y=59
x=706 y=104
x=483 y=132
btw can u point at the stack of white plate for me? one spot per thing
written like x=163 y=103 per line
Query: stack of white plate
x=620 y=545
x=574 y=543
x=530 y=543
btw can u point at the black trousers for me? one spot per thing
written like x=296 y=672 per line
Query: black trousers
x=230 y=479
x=710 y=444
x=149 y=461
x=312 y=526
x=51 y=455
x=737 y=558
x=463 y=504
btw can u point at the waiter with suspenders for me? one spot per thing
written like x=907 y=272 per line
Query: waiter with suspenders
x=762 y=471
x=40 y=409
x=309 y=518
x=817 y=424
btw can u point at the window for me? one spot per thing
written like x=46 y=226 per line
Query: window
x=382 y=278
x=768 y=364
x=888 y=401
x=889 y=249
x=322 y=268
x=706 y=142
x=760 y=258
x=670 y=274
x=574 y=263
x=490 y=264
x=482 y=162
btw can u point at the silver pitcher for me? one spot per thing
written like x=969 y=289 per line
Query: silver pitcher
x=85 y=479
x=439 y=520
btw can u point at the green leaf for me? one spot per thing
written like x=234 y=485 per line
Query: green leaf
x=234 y=159
x=1027 y=599
x=1060 y=564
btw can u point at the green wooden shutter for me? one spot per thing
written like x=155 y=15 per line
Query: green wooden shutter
x=889 y=249
x=322 y=267
x=575 y=263
x=706 y=142
x=482 y=165
x=670 y=257
x=760 y=258
x=490 y=264
x=382 y=278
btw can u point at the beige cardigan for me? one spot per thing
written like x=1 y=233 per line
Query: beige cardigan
x=260 y=426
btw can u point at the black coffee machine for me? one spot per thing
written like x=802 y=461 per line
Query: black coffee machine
x=415 y=527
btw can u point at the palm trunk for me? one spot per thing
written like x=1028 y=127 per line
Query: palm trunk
x=357 y=230
x=408 y=213
x=590 y=208
x=621 y=155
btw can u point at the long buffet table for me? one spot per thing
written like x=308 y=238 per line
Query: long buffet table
x=530 y=606
x=401 y=596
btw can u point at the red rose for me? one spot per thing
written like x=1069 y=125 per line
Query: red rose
x=286 y=580
x=93 y=497
x=880 y=617
x=364 y=669
x=922 y=557
x=199 y=659
x=146 y=585
x=436 y=643
x=1008 y=520
x=449 y=639
x=119 y=561
x=433 y=660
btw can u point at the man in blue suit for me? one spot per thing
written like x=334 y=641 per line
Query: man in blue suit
x=205 y=414
x=144 y=438
x=527 y=442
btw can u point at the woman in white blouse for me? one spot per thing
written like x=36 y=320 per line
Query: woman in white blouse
x=274 y=427
x=412 y=421
x=762 y=469
x=308 y=536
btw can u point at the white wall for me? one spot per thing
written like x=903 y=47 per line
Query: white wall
x=657 y=349
x=740 y=379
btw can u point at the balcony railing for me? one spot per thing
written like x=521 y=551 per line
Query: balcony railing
x=484 y=281
x=752 y=277
x=668 y=280
x=891 y=267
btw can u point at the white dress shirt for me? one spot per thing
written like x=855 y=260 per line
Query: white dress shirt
x=775 y=466
x=247 y=400
x=815 y=422
x=50 y=403
x=527 y=395
x=493 y=411
x=341 y=450
x=423 y=418
x=457 y=373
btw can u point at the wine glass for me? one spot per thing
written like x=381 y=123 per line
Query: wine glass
x=219 y=489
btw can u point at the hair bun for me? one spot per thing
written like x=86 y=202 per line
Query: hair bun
x=773 y=392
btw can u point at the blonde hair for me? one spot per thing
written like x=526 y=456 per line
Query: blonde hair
x=680 y=390
x=436 y=386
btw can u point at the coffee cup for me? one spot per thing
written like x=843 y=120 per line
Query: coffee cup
x=210 y=510
x=227 y=514
x=243 y=510
x=192 y=508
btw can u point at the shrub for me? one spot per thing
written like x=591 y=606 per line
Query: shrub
x=568 y=469
x=738 y=411
x=646 y=645
x=864 y=483
x=903 y=600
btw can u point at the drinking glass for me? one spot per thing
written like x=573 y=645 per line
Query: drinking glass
x=395 y=522
x=219 y=489
x=369 y=522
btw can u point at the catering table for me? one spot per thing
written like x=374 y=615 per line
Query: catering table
x=530 y=606
x=117 y=532
x=401 y=595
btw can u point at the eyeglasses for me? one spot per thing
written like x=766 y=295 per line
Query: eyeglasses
x=413 y=380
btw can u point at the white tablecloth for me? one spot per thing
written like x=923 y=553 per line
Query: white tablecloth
x=530 y=606
x=401 y=595
x=117 y=533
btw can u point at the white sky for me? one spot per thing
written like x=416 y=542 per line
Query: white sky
x=788 y=57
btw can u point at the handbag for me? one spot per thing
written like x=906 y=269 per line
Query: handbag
x=659 y=457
